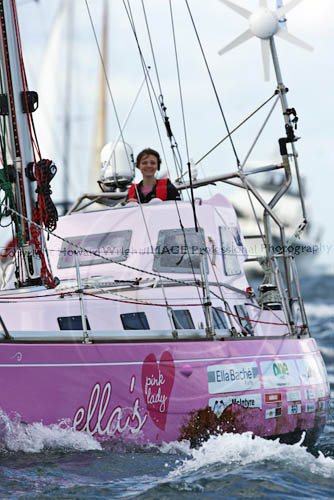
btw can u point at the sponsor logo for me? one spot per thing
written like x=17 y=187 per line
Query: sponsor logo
x=279 y=373
x=310 y=394
x=102 y=417
x=274 y=412
x=274 y=397
x=294 y=409
x=157 y=383
x=322 y=367
x=309 y=371
x=218 y=405
x=322 y=405
x=233 y=377
x=310 y=407
x=322 y=392
x=293 y=396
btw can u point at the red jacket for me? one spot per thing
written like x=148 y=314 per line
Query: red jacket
x=160 y=190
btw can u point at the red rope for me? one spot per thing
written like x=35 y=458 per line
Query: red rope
x=122 y=301
x=11 y=100
x=36 y=239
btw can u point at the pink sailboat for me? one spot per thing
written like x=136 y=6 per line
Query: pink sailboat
x=139 y=323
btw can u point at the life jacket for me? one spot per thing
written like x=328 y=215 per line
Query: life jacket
x=160 y=190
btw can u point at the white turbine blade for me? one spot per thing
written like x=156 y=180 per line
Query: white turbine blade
x=263 y=3
x=265 y=58
x=246 y=35
x=240 y=10
x=286 y=8
x=293 y=39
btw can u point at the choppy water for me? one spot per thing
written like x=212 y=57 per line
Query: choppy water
x=55 y=463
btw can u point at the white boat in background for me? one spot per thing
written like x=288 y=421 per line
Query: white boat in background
x=302 y=241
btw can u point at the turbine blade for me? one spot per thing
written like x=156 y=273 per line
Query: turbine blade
x=246 y=35
x=263 y=3
x=286 y=8
x=293 y=39
x=240 y=10
x=265 y=58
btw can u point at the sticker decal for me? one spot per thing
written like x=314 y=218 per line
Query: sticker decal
x=274 y=412
x=233 y=377
x=157 y=384
x=322 y=392
x=218 y=405
x=310 y=407
x=293 y=396
x=273 y=397
x=309 y=371
x=99 y=416
x=322 y=406
x=279 y=373
x=294 y=409
x=310 y=393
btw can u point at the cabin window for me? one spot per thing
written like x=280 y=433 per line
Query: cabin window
x=182 y=319
x=235 y=230
x=135 y=321
x=244 y=320
x=229 y=252
x=114 y=246
x=180 y=251
x=72 y=323
x=219 y=320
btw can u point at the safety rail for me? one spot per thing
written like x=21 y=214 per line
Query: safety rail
x=288 y=300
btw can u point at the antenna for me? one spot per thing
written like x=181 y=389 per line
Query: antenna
x=264 y=24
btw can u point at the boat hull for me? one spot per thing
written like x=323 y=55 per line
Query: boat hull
x=166 y=391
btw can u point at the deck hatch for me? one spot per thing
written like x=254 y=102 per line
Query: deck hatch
x=114 y=246
x=218 y=316
x=135 y=321
x=229 y=251
x=71 y=323
x=182 y=319
x=180 y=251
x=243 y=317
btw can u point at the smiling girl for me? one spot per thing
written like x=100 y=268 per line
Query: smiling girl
x=149 y=161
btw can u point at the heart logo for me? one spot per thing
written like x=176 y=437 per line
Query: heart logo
x=157 y=382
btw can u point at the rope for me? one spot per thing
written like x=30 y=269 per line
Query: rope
x=106 y=78
x=96 y=254
x=151 y=304
x=236 y=128
x=213 y=84
x=159 y=101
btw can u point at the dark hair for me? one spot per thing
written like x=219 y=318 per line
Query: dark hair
x=146 y=152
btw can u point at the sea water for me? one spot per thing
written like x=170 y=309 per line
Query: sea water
x=38 y=462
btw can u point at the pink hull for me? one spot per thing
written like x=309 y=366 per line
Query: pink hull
x=155 y=392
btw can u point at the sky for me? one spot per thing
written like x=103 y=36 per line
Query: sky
x=238 y=76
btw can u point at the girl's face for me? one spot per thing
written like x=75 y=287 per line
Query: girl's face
x=148 y=165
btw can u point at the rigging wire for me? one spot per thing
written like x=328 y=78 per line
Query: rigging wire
x=179 y=80
x=159 y=101
x=114 y=106
x=5 y=298
x=106 y=77
x=183 y=116
x=237 y=127
x=151 y=45
x=149 y=84
x=244 y=162
x=213 y=84
x=97 y=254
x=170 y=135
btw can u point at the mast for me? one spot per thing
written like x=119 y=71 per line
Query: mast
x=20 y=141
x=68 y=101
x=24 y=178
x=100 y=120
